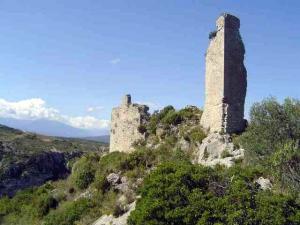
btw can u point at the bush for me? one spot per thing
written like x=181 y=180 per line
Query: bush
x=286 y=164
x=182 y=193
x=271 y=124
x=172 y=118
x=83 y=171
x=190 y=112
x=142 y=157
x=45 y=203
x=68 y=213
x=156 y=118
x=110 y=163
x=272 y=139
x=197 y=134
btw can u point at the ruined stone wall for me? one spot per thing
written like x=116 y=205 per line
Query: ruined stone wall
x=126 y=121
x=225 y=78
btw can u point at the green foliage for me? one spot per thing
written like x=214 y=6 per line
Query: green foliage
x=68 y=213
x=272 y=139
x=197 y=134
x=45 y=203
x=83 y=171
x=271 y=124
x=189 y=113
x=182 y=193
x=156 y=117
x=286 y=164
x=171 y=118
x=28 y=206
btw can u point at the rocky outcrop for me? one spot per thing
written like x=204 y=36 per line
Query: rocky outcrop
x=218 y=149
x=35 y=171
x=225 y=78
x=264 y=184
x=127 y=125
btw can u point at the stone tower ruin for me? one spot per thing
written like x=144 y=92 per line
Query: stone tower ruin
x=127 y=123
x=225 y=78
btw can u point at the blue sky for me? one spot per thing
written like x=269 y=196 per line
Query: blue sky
x=77 y=58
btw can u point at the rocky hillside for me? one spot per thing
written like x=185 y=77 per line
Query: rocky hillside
x=28 y=159
x=179 y=175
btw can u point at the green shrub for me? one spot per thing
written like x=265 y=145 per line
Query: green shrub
x=45 y=203
x=68 y=213
x=142 y=157
x=172 y=118
x=112 y=162
x=197 y=134
x=190 y=112
x=286 y=165
x=100 y=182
x=272 y=139
x=156 y=118
x=271 y=124
x=83 y=171
x=182 y=193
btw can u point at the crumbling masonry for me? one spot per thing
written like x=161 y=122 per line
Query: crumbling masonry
x=127 y=125
x=225 y=78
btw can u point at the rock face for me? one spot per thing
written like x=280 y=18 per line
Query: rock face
x=218 y=149
x=35 y=171
x=127 y=123
x=225 y=78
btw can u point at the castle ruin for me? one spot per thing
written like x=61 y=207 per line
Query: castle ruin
x=127 y=122
x=225 y=78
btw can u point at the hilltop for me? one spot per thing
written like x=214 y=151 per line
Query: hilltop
x=148 y=184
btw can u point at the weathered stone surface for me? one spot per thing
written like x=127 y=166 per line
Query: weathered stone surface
x=127 y=122
x=113 y=179
x=218 y=149
x=34 y=171
x=110 y=220
x=265 y=184
x=225 y=78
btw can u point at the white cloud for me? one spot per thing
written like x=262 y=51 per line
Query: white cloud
x=36 y=108
x=94 y=108
x=88 y=122
x=115 y=61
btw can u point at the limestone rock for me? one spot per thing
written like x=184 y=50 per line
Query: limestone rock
x=218 y=149
x=265 y=184
x=113 y=179
x=225 y=78
x=111 y=220
x=117 y=182
x=127 y=122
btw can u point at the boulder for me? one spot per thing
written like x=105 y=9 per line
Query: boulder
x=113 y=179
x=265 y=184
x=218 y=149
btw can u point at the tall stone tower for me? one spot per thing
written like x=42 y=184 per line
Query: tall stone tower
x=127 y=123
x=225 y=78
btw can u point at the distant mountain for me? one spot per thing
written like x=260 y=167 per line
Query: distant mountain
x=103 y=138
x=51 y=128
